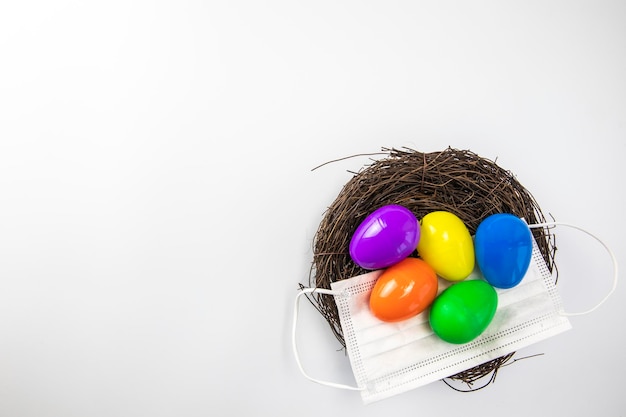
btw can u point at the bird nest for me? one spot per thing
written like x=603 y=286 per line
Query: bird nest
x=458 y=181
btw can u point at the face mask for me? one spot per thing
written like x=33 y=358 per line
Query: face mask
x=391 y=358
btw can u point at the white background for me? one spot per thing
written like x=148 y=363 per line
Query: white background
x=157 y=204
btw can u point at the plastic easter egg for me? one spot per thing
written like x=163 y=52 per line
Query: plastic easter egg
x=403 y=290
x=385 y=237
x=463 y=311
x=446 y=245
x=503 y=246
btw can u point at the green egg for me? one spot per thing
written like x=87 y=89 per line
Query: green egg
x=463 y=311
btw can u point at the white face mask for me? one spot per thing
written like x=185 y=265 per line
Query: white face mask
x=391 y=358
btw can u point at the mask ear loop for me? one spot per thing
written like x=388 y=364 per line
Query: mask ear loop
x=610 y=252
x=293 y=337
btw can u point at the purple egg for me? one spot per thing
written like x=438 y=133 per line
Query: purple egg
x=385 y=237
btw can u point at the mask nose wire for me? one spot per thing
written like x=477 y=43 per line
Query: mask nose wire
x=610 y=252
x=295 y=346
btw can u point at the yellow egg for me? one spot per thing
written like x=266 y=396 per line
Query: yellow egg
x=446 y=245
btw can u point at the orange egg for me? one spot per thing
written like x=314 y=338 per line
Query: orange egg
x=403 y=290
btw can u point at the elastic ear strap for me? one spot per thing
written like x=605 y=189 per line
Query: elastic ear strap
x=294 y=344
x=610 y=252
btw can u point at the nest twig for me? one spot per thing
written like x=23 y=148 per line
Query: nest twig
x=458 y=181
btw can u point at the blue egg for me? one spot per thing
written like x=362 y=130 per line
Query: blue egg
x=503 y=246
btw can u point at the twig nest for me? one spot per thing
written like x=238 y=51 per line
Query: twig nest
x=456 y=181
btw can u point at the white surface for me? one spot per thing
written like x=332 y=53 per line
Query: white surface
x=157 y=207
